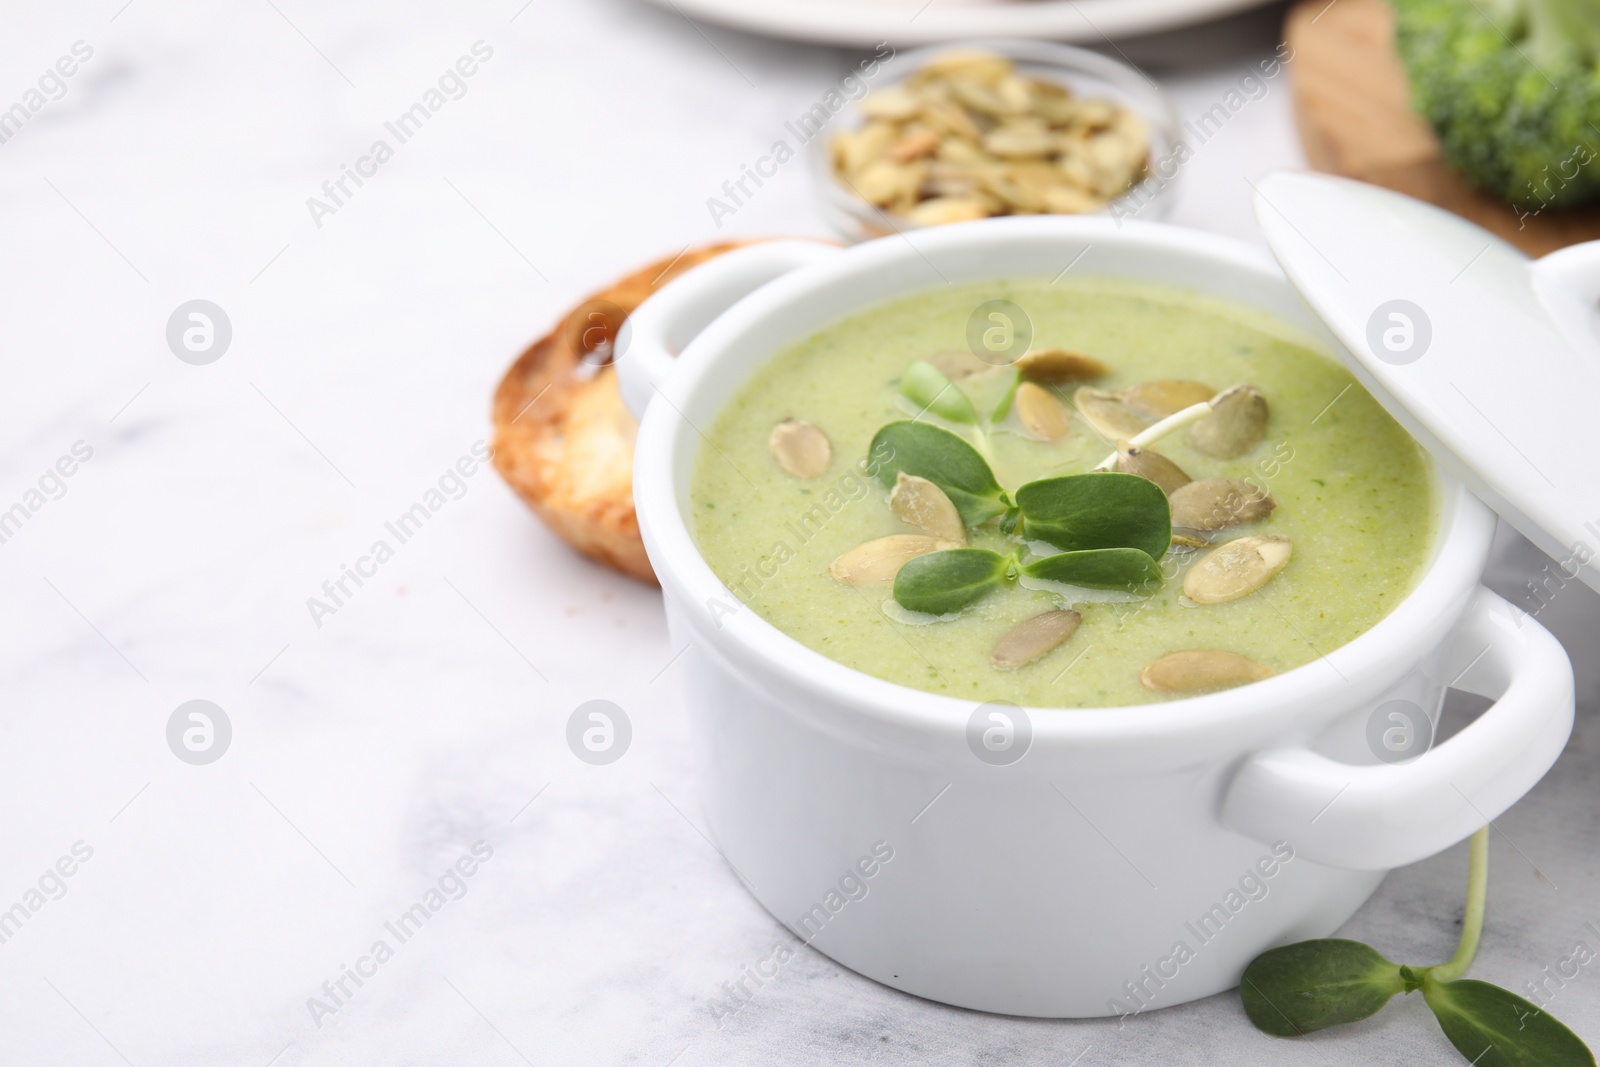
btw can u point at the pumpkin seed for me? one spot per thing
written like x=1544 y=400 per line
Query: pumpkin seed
x=1066 y=200
x=958 y=153
x=1013 y=91
x=884 y=181
x=1131 y=128
x=1075 y=169
x=1019 y=142
x=1052 y=103
x=880 y=560
x=1106 y=412
x=1035 y=175
x=1032 y=638
x=950 y=179
x=968 y=64
x=1158 y=399
x=1237 y=569
x=1040 y=413
x=894 y=102
x=1196 y=669
x=943 y=209
x=1028 y=143
x=1213 y=503
x=981 y=98
x=1237 y=423
x=918 y=502
x=1115 y=163
x=1154 y=467
x=1096 y=113
x=1052 y=366
x=996 y=182
x=800 y=448
x=950 y=118
x=853 y=151
x=1182 y=538
x=914 y=146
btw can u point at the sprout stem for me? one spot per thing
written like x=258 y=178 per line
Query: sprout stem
x=1176 y=421
x=1472 y=921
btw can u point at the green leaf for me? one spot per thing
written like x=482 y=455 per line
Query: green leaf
x=947 y=461
x=927 y=387
x=1003 y=408
x=1306 y=986
x=1493 y=1027
x=1100 y=510
x=942 y=582
x=1098 y=568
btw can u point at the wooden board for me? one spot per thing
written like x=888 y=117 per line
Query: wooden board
x=1353 y=109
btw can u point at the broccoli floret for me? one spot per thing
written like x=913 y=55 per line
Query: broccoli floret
x=1513 y=89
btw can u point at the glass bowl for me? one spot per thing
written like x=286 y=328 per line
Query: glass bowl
x=1089 y=75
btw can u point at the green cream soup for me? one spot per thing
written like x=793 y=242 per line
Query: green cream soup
x=1352 y=492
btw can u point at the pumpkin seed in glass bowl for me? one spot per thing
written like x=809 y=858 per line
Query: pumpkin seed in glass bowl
x=990 y=128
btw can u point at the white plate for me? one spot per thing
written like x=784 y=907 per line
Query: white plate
x=864 y=23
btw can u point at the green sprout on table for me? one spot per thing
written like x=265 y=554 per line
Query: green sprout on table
x=1294 y=990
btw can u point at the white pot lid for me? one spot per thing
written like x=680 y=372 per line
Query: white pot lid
x=1489 y=358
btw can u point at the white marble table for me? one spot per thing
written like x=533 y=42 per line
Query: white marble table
x=373 y=745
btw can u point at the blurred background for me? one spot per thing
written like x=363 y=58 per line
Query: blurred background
x=360 y=755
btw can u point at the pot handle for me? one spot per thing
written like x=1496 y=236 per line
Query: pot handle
x=1576 y=268
x=665 y=323
x=1376 y=818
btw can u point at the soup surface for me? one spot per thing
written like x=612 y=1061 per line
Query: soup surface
x=1352 y=490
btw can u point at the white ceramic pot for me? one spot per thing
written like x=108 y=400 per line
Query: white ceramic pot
x=1133 y=857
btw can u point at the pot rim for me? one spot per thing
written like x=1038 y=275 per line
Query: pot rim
x=1464 y=527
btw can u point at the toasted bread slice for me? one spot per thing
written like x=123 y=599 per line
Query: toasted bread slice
x=562 y=437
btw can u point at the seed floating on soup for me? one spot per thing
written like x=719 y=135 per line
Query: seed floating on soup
x=1236 y=424
x=1057 y=366
x=1040 y=413
x=1237 y=569
x=879 y=560
x=1196 y=670
x=1034 y=638
x=1215 y=503
x=800 y=448
x=918 y=502
x=1152 y=466
x=1108 y=413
